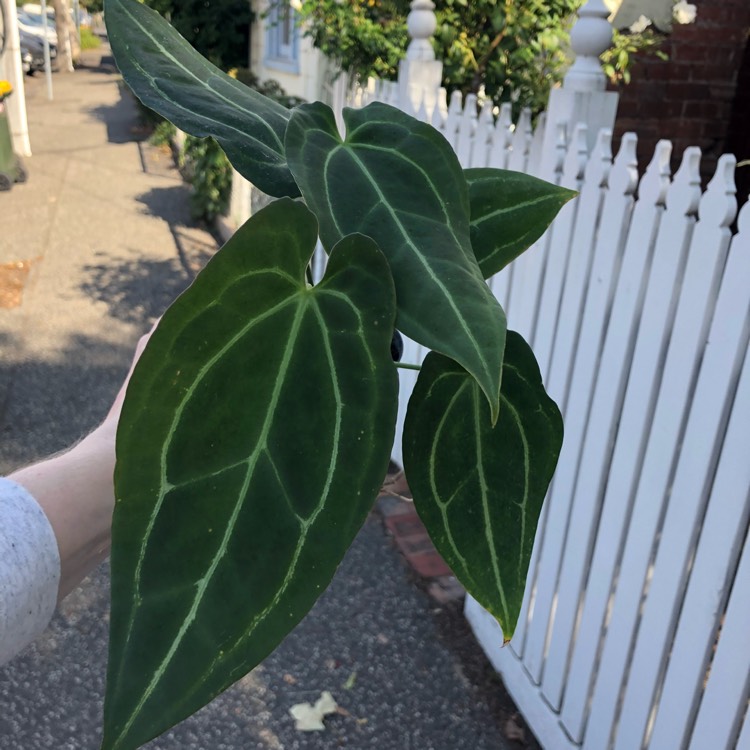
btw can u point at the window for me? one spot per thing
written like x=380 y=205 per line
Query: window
x=282 y=38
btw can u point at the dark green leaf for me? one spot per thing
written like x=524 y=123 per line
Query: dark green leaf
x=398 y=181
x=478 y=488
x=171 y=78
x=509 y=212
x=254 y=438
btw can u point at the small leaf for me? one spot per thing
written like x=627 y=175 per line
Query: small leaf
x=398 y=181
x=255 y=435
x=479 y=489
x=171 y=78
x=510 y=211
x=309 y=717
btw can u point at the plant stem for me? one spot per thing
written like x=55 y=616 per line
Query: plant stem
x=406 y=366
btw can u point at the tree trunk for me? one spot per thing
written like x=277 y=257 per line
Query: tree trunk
x=64 y=28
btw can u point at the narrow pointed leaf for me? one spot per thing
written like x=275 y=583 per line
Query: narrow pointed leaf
x=479 y=489
x=510 y=211
x=398 y=181
x=171 y=78
x=255 y=435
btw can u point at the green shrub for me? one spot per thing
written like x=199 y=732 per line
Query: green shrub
x=270 y=88
x=89 y=40
x=163 y=134
x=210 y=175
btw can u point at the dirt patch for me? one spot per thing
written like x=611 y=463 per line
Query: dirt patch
x=13 y=278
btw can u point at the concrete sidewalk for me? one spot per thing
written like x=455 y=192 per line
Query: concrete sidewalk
x=95 y=245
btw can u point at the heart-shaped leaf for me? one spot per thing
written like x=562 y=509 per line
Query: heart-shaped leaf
x=479 y=489
x=171 y=78
x=510 y=211
x=398 y=181
x=254 y=438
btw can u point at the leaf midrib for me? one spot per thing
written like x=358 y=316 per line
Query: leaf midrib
x=511 y=209
x=203 y=84
x=310 y=521
x=167 y=486
x=523 y=505
x=486 y=509
x=425 y=264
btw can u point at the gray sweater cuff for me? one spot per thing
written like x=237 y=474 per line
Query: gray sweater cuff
x=29 y=569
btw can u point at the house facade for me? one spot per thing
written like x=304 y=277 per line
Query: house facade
x=279 y=50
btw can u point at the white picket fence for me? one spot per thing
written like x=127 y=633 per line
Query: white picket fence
x=635 y=631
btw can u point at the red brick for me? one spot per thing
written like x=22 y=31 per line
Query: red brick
x=428 y=564
x=404 y=526
x=411 y=545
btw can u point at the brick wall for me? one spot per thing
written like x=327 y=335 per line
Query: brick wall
x=701 y=95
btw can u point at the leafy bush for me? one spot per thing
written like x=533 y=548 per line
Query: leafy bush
x=270 y=87
x=89 y=40
x=210 y=175
x=163 y=134
x=619 y=58
x=515 y=50
x=219 y=30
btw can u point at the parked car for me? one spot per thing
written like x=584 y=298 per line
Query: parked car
x=34 y=25
x=32 y=52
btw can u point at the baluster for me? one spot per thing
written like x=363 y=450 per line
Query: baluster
x=483 y=136
x=453 y=121
x=467 y=127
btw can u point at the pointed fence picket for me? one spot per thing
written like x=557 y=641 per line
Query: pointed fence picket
x=652 y=486
x=645 y=377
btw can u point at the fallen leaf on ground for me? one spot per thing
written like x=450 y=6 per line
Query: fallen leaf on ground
x=350 y=680
x=513 y=729
x=309 y=717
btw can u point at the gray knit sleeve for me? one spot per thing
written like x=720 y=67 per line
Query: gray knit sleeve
x=29 y=569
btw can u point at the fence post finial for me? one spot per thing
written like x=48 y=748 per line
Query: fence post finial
x=583 y=96
x=421 y=24
x=590 y=37
x=420 y=74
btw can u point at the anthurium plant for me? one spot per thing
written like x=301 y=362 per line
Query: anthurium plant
x=259 y=421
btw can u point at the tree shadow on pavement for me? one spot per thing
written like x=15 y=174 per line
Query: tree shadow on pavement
x=195 y=243
x=135 y=290
x=51 y=401
x=120 y=119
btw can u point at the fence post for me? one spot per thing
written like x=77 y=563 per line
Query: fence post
x=420 y=74
x=583 y=97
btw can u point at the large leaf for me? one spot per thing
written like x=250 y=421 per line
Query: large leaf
x=509 y=212
x=398 y=181
x=255 y=435
x=479 y=489
x=171 y=78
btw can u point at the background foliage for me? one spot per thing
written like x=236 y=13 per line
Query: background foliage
x=219 y=30
x=516 y=50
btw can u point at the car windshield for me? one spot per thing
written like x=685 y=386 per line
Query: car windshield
x=31 y=18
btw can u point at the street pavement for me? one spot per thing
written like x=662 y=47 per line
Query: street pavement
x=92 y=249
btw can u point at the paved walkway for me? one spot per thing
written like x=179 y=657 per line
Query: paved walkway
x=93 y=247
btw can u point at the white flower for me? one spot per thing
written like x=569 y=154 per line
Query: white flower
x=684 y=12
x=640 y=25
